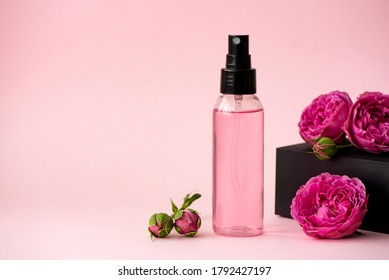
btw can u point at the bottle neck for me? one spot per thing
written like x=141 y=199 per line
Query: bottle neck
x=238 y=103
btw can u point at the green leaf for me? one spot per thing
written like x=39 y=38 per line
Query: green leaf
x=195 y=196
x=174 y=207
x=188 y=200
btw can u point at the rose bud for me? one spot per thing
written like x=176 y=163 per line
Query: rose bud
x=187 y=222
x=160 y=225
x=325 y=148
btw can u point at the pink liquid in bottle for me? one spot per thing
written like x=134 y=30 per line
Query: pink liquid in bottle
x=238 y=172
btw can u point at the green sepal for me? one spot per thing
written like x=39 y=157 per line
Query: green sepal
x=152 y=220
x=170 y=223
x=191 y=234
x=163 y=233
x=198 y=223
x=313 y=140
x=178 y=215
x=162 y=217
x=178 y=230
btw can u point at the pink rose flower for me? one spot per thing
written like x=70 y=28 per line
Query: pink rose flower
x=325 y=116
x=367 y=126
x=187 y=222
x=330 y=206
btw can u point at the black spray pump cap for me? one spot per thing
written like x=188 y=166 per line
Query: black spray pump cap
x=238 y=77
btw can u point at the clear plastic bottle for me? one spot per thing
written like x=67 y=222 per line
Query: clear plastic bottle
x=238 y=143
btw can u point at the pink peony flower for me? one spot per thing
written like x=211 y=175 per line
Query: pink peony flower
x=325 y=116
x=330 y=206
x=187 y=222
x=367 y=126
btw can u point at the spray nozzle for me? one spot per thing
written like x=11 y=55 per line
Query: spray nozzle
x=238 y=56
x=238 y=44
x=238 y=77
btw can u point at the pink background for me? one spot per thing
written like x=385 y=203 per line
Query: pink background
x=105 y=113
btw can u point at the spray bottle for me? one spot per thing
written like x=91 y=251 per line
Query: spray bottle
x=238 y=146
